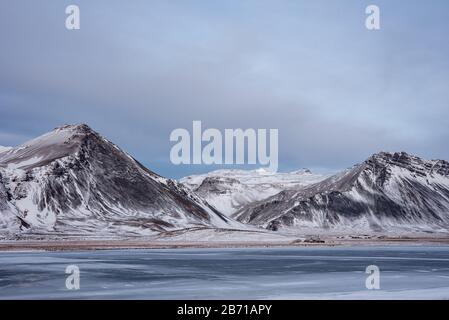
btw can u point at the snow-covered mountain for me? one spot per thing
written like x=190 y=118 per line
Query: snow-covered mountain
x=387 y=192
x=72 y=181
x=230 y=190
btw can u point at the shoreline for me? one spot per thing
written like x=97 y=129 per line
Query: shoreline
x=87 y=245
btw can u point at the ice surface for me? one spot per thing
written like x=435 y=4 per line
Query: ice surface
x=288 y=273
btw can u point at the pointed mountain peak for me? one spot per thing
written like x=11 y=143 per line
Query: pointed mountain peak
x=82 y=127
x=412 y=163
x=402 y=159
x=73 y=129
x=391 y=155
x=58 y=143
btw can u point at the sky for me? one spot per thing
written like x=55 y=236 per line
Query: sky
x=136 y=70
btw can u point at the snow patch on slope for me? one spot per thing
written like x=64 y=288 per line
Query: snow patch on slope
x=4 y=149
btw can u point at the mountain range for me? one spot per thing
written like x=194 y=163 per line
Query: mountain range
x=73 y=182
x=231 y=190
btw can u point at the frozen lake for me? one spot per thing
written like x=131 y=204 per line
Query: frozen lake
x=278 y=273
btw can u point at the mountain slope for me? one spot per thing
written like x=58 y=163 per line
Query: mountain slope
x=231 y=190
x=388 y=191
x=73 y=181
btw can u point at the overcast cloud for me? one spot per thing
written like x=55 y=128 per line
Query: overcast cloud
x=139 y=69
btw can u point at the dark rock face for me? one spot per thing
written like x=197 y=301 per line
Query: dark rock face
x=73 y=180
x=387 y=190
x=216 y=185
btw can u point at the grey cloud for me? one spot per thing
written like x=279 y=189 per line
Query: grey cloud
x=136 y=71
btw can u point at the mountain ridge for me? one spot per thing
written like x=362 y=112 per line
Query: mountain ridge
x=388 y=190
